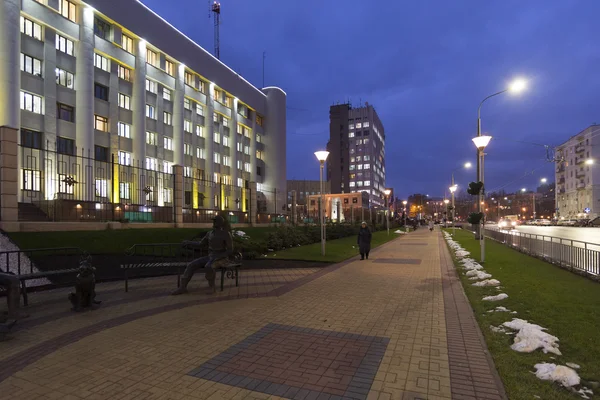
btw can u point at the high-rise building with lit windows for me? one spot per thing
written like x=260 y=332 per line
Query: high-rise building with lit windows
x=110 y=81
x=356 y=145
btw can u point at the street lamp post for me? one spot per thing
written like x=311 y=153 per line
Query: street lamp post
x=387 y=193
x=322 y=157
x=481 y=142
x=404 y=202
x=453 y=189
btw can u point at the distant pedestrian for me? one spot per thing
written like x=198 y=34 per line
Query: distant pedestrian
x=364 y=241
x=431 y=225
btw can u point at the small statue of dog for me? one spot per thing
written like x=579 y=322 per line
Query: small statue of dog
x=85 y=287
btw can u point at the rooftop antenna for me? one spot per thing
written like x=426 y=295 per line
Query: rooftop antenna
x=215 y=8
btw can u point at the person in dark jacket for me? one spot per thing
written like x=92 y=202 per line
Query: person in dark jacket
x=364 y=241
x=220 y=247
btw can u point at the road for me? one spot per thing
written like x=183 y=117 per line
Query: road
x=589 y=235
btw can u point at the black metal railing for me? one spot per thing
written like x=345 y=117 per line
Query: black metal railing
x=23 y=262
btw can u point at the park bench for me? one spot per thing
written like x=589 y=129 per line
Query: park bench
x=23 y=260
x=173 y=257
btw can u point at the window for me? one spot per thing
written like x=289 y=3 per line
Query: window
x=247 y=167
x=187 y=149
x=31 y=102
x=226 y=141
x=259 y=120
x=202 y=87
x=187 y=125
x=167 y=167
x=124 y=158
x=67 y=10
x=189 y=79
x=199 y=109
x=366 y=125
x=200 y=153
x=258 y=138
x=31 y=139
x=124 y=73
x=227 y=161
x=166 y=94
x=239 y=146
x=152 y=58
x=225 y=121
x=242 y=110
x=367 y=166
x=151 y=86
x=358 y=125
x=259 y=154
x=167 y=118
x=217 y=137
x=100 y=123
x=215 y=117
x=167 y=195
x=63 y=44
x=30 y=28
x=65 y=112
x=150 y=111
x=169 y=68
x=100 y=92
x=124 y=190
x=65 y=146
x=127 y=43
x=101 y=28
x=352 y=184
x=351 y=126
x=31 y=65
x=151 y=138
x=199 y=131
x=30 y=180
x=351 y=134
x=168 y=143
x=124 y=101
x=124 y=130
x=239 y=165
x=187 y=104
x=247 y=150
x=101 y=188
x=217 y=158
x=101 y=153
x=151 y=164
x=217 y=95
x=187 y=172
x=228 y=101
x=101 y=62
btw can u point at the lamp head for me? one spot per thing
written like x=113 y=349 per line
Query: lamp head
x=387 y=192
x=589 y=161
x=404 y=202
x=467 y=165
x=517 y=86
x=523 y=190
x=453 y=188
x=544 y=180
x=322 y=155
x=481 y=142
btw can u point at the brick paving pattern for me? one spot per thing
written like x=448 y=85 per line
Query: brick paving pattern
x=144 y=344
x=297 y=363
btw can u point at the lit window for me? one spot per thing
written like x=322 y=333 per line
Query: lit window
x=124 y=73
x=225 y=121
x=169 y=69
x=151 y=138
x=215 y=117
x=187 y=149
x=367 y=166
x=351 y=134
x=227 y=161
x=199 y=109
x=168 y=143
x=101 y=62
x=258 y=138
x=358 y=125
x=101 y=188
x=124 y=190
x=124 y=130
x=167 y=118
x=124 y=158
x=239 y=165
x=63 y=44
x=30 y=180
x=100 y=123
x=166 y=94
x=246 y=149
x=127 y=43
x=217 y=95
x=217 y=137
x=31 y=102
x=124 y=101
x=247 y=167
x=239 y=146
x=150 y=111
x=217 y=158
x=352 y=167
x=152 y=58
x=351 y=126
x=352 y=184
x=366 y=124
x=151 y=86
x=187 y=104
x=228 y=101
x=202 y=87
x=226 y=141
x=151 y=164
x=187 y=172
x=30 y=28
x=259 y=154
x=167 y=195
x=200 y=153
x=259 y=120
x=167 y=167
x=240 y=182
x=189 y=79
x=31 y=65
x=199 y=130
x=367 y=183
x=187 y=125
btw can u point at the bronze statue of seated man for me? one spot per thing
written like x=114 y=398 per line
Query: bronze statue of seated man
x=220 y=245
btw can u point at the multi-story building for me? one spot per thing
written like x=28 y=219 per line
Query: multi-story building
x=109 y=82
x=305 y=188
x=577 y=177
x=356 y=145
x=344 y=207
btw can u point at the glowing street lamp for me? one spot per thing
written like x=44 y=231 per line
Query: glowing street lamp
x=404 y=202
x=387 y=193
x=543 y=180
x=453 y=188
x=589 y=161
x=322 y=157
x=481 y=143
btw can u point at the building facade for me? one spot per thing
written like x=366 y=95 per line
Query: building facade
x=356 y=145
x=341 y=207
x=305 y=188
x=108 y=97
x=577 y=176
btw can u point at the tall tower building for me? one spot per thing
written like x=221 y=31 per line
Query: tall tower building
x=357 y=152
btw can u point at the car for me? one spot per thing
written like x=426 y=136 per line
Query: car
x=544 y=222
x=507 y=223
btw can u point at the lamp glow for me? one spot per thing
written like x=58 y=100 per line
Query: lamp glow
x=517 y=86
x=544 y=180
x=468 y=165
x=387 y=192
x=322 y=155
x=453 y=188
x=481 y=142
x=589 y=161
x=405 y=202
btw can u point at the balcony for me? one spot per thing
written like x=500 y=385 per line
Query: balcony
x=579 y=148
x=560 y=168
x=579 y=160
x=580 y=174
x=581 y=185
x=561 y=180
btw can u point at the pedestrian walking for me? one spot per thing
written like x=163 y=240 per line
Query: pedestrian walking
x=364 y=241
x=431 y=225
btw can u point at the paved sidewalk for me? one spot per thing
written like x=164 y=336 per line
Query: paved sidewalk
x=396 y=326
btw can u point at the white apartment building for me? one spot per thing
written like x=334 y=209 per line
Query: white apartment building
x=111 y=78
x=577 y=175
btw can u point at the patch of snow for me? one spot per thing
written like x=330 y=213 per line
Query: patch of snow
x=497 y=329
x=480 y=275
x=498 y=297
x=241 y=234
x=501 y=309
x=573 y=365
x=557 y=373
x=531 y=337
x=514 y=312
x=270 y=250
x=585 y=392
x=487 y=282
x=399 y=231
x=13 y=262
x=470 y=264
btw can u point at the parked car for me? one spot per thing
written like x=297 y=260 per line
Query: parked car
x=567 y=222
x=544 y=222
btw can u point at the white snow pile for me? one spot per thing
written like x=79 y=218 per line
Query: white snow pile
x=557 y=373
x=13 y=262
x=585 y=392
x=531 y=337
x=498 y=329
x=470 y=264
x=400 y=232
x=241 y=234
x=573 y=365
x=480 y=275
x=498 y=297
x=462 y=253
x=499 y=309
x=487 y=282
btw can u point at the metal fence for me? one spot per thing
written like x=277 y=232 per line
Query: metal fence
x=568 y=253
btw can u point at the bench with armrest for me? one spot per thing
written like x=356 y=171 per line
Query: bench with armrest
x=173 y=257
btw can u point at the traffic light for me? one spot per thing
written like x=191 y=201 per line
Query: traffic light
x=475 y=188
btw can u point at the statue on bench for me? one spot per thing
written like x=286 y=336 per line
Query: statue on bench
x=220 y=248
x=85 y=287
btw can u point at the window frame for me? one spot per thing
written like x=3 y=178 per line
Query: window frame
x=62 y=107
x=71 y=10
x=127 y=43
x=34 y=98
x=65 y=74
x=101 y=123
x=64 y=45
x=29 y=61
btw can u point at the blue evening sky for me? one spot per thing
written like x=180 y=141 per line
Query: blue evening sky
x=425 y=66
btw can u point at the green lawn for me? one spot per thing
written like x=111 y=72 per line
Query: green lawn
x=335 y=250
x=566 y=304
x=114 y=241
